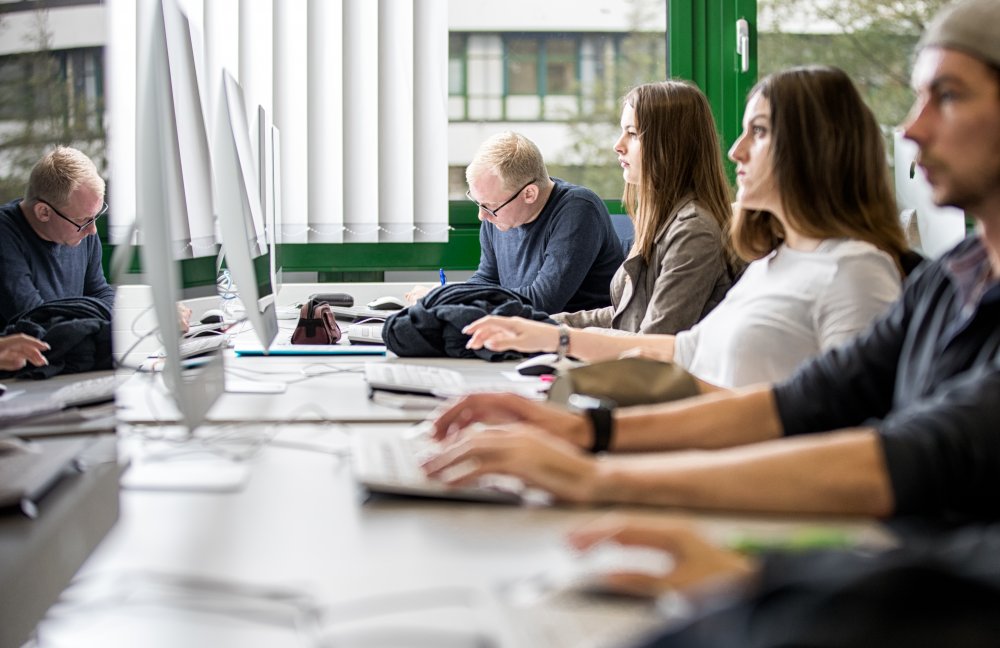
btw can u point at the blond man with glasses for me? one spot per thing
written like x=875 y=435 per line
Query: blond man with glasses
x=48 y=247
x=544 y=238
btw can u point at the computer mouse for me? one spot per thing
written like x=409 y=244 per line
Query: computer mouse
x=541 y=365
x=212 y=316
x=588 y=570
x=387 y=303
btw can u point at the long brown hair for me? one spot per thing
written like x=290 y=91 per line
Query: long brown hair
x=680 y=156
x=829 y=165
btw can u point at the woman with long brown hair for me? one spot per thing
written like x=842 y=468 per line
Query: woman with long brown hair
x=681 y=263
x=817 y=218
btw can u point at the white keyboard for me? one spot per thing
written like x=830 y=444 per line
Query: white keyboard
x=387 y=460
x=83 y=392
x=414 y=379
x=87 y=392
x=195 y=346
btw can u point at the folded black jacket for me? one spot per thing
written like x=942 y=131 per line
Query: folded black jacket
x=78 y=330
x=433 y=326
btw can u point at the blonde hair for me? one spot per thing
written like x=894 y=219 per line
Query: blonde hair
x=59 y=173
x=513 y=157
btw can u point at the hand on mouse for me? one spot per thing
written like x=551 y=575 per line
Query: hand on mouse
x=698 y=564
x=19 y=349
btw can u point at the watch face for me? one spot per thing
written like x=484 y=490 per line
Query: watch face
x=582 y=402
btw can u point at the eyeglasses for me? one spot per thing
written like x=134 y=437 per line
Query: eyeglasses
x=493 y=212
x=78 y=226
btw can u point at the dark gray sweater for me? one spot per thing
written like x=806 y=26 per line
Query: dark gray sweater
x=561 y=261
x=34 y=271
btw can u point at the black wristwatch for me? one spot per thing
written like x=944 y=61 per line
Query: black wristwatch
x=600 y=411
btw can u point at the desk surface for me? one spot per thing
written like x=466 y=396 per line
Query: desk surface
x=297 y=556
x=300 y=534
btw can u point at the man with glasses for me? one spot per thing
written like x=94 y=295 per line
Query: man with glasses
x=48 y=247
x=544 y=238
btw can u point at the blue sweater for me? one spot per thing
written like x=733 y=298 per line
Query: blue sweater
x=561 y=261
x=34 y=271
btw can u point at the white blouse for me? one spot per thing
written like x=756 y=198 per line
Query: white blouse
x=788 y=307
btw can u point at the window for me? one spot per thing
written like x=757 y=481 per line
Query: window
x=522 y=66
x=872 y=42
x=456 y=64
x=47 y=97
x=561 y=56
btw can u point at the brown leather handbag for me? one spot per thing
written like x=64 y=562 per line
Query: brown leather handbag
x=317 y=325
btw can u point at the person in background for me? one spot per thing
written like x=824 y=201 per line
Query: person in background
x=902 y=420
x=19 y=349
x=546 y=239
x=827 y=247
x=681 y=263
x=48 y=244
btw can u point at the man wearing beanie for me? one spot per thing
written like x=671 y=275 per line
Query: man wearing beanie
x=902 y=421
x=937 y=429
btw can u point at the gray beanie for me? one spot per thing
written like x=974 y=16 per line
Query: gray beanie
x=970 y=26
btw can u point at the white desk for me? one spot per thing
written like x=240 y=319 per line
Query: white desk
x=300 y=526
x=244 y=568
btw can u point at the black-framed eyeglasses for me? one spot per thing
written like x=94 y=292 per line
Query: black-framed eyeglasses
x=79 y=228
x=493 y=212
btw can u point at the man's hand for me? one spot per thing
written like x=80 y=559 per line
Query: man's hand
x=183 y=318
x=19 y=349
x=416 y=293
x=496 y=409
x=698 y=564
x=520 y=450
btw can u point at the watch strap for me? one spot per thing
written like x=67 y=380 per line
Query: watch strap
x=602 y=420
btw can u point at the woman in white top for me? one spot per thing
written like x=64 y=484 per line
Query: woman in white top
x=815 y=214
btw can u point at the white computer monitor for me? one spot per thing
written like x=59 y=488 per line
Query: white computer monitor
x=241 y=219
x=269 y=166
x=163 y=196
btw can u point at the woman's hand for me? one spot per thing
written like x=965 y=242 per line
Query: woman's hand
x=511 y=334
x=698 y=564
x=19 y=349
x=500 y=408
x=534 y=456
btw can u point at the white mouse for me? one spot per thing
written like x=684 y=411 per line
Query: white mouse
x=388 y=303
x=544 y=364
x=587 y=570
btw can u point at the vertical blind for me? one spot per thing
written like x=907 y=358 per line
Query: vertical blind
x=356 y=88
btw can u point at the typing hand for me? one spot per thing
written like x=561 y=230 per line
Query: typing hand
x=519 y=450
x=500 y=408
x=511 y=334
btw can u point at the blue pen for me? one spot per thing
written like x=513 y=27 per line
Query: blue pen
x=441 y=274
